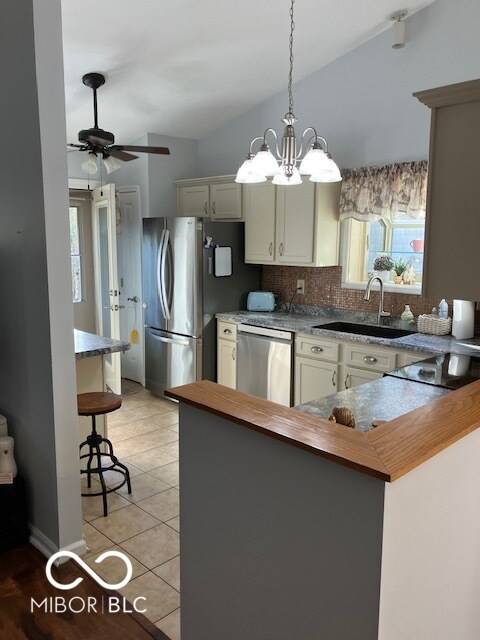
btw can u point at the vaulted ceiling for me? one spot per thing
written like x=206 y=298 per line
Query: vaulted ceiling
x=186 y=67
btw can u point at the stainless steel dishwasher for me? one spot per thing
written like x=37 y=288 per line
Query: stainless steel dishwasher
x=264 y=363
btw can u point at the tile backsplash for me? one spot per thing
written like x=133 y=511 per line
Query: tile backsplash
x=323 y=286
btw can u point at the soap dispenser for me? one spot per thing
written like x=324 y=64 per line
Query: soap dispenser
x=443 y=309
x=407 y=317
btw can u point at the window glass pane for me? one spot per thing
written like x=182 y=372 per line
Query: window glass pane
x=407 y=243
x=74 y=235
x=76 y=279
x=378 y=233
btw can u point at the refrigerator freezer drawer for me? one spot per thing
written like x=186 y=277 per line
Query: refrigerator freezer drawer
x=171 y=360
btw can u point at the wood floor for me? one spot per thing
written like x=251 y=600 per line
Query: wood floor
x=22 y=577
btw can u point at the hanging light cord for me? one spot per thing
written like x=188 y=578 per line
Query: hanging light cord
x=290 y=74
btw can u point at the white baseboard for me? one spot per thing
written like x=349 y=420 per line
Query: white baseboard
x=48 y=548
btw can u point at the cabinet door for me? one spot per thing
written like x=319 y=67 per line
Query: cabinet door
x=226 y=363
x=356 y=377
x=408 y=357
x=226 y=201
x=295 y=224
x=314 y=379
x=194 y=201
x=259 y=211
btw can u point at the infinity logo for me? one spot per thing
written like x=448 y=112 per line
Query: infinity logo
x=89 y=570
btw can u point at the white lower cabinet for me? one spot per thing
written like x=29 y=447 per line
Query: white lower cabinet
x=355 y=377
x=226 y=363
x=314 y=379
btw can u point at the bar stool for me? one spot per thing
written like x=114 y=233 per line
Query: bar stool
x=94 y=404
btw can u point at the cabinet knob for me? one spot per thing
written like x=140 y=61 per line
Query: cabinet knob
x=369 y=359
x=316 y=349
x=227 y=331
x=280 y=249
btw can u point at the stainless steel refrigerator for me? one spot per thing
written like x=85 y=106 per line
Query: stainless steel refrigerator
x=182 y=294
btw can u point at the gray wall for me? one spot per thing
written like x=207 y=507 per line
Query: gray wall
x=37 y=368
x=362 y=103
x=276 y=543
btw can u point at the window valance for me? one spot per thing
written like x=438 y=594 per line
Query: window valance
x=390 y=192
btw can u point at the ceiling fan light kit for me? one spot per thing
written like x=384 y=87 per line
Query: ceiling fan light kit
x=100 y=143
x=317 y=162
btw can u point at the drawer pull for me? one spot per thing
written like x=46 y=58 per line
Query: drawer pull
x=280 y=249
x=270 y=248
x=227 y=331
x=233 y=354
x=369 y=359
x=334 y=378
x=316 y=349
x=347 y=377
x=205 y=208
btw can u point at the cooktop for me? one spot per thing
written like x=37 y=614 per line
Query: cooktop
x=449 y=370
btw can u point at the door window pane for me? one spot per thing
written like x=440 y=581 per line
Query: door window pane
x=75 y=244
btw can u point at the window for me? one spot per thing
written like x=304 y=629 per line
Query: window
x=76 y=252
x=401 y=239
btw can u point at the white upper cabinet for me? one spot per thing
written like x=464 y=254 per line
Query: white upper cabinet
x=259 y=214
x=295 y=221
x=194 y=200
x=226 y=201
x=295 y=225
x=219 y=198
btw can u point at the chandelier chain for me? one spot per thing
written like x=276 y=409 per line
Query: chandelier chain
x=290 y=74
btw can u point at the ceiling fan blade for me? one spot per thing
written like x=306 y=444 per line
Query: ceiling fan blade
x=129 y=147
x=77 y=146
x=120 y=154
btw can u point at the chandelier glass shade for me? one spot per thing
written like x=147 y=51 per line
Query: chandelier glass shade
x=282 y=162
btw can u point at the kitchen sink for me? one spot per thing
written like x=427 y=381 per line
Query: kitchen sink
x=365 y=329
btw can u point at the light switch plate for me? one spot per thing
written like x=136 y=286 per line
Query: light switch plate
x=301 y=287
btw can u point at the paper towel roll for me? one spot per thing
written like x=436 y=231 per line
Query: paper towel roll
x=463 y=326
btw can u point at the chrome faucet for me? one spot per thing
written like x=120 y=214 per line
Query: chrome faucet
x=381 y=312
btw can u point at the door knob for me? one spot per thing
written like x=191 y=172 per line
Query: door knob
x=134 y=299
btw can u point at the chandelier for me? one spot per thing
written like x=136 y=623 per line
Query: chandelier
x=317 y=162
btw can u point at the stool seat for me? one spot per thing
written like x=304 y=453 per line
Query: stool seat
x=97 y=403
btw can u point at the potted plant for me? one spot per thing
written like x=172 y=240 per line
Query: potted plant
x=399 y=267
x=383 y=266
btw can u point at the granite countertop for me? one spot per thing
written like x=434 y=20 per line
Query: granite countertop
x=88 y=345
x=383 y=399
x=304 y=323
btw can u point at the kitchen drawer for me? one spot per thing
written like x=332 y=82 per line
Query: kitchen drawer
x=227 y=330
x=408 y=357
x=315 y=347
x=370 y=358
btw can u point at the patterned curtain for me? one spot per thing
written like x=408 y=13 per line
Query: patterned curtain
x=392 y=192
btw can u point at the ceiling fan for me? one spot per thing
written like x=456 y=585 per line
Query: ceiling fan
x=100 y=143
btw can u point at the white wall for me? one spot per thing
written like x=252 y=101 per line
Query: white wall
x=37 y=367
x=430 y=585
x=362 y=103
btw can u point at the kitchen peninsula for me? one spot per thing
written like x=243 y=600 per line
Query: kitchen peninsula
x=292 y=521
x=89 y=351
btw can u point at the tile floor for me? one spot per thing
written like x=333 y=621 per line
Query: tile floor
x=145 y=524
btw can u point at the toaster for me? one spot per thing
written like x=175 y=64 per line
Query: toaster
x=261 y=301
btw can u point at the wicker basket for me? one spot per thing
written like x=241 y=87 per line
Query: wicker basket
x=428 y=323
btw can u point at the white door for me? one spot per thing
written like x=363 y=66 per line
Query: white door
x=129 y=240
x=107 y=294
x=260 y=223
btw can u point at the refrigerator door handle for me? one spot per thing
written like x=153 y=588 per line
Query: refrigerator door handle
x=159 y=280
x=169 y=283
x=169 y=340
x=162 y=273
